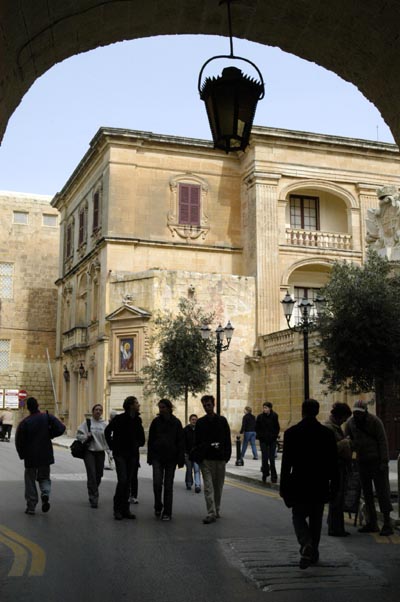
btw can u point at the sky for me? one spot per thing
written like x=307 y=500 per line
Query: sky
x=151 y=85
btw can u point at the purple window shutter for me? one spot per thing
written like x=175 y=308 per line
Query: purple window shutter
x=96 y=211
x=184 y=195
x=189 y=204
x=195 y=205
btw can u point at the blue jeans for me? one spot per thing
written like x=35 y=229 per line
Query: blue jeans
x=192 y=469
x=249 y=437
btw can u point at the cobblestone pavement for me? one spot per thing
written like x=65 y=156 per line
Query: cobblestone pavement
x=272 y=565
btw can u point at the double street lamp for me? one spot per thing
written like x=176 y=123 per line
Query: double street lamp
x=223 y=337
x=305 y=325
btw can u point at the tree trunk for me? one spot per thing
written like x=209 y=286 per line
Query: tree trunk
x=186 y=405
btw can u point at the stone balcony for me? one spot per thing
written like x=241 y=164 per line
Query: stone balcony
x=76 y=338
x=316 y=238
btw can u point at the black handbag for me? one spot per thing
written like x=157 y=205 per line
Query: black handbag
x=78 y=448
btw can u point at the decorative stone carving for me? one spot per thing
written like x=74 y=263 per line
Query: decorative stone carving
x=183 y=230
x=383 y=224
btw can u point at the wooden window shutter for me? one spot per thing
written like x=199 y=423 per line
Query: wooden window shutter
x=96 y=208
x=189 y=204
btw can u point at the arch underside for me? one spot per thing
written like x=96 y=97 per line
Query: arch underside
x=356 y=40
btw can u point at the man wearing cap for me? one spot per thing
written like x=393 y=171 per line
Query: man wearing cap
x=369 y=440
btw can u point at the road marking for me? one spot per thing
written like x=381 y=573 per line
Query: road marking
x=253 y=489
x=20 y=547
x=20 y=557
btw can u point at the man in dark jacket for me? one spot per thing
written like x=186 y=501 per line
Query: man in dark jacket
x=369 y=440
x=248 y=430
x=124 y=435
x=267 y=431
x=309 y=478
x=192 y=468
x=213 y=449
x=33 y=442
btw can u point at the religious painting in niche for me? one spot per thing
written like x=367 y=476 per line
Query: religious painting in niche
x=126 y=354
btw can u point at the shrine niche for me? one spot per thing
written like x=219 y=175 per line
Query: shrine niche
x=383 y=224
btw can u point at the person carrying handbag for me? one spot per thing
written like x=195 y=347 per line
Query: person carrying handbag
x=91 y=432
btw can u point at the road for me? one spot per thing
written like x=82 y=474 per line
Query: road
x=78 y=553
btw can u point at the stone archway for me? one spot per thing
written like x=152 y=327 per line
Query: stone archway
x=356 y=41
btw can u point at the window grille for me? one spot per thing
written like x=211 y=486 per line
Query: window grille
x=6 y=280
x=4 y=354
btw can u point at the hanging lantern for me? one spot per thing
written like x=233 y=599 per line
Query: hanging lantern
x=231 y=101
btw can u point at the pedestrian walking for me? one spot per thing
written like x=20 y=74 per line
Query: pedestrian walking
x=213 y=450
x=192 y=468
x=124 y=436
x=33 y=442
x=309 y=477
x=248 y=430
x=165 y=451
x=340 y=412
x=369 y=441
x=267 y=431
x=91 y=431
x=6 y=424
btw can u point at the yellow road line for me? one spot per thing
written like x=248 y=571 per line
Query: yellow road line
x=20 y=557
x=252 y=489
x=38 y=556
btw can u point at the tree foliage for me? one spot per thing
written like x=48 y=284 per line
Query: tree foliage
x=360 y=327
x=184 y=359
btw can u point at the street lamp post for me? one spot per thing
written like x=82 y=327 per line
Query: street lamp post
x=305 y=325
x=221 y=334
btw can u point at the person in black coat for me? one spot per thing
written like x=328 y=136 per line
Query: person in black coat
x=267 y=431
x=192 y=468
x=33 y=442
x=165 y=450
x=124 y=435
x=248 y=430
x=309 y=478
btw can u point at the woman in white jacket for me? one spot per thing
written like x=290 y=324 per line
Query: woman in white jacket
x=95 y=451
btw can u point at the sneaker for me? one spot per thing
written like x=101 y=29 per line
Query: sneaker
x=129 y=515
x=210 y=518
x=217 y=514
x=368 y=528
x=157 y=513
x=197 y=489
x=386 y=530
x=30 y=511
x=165 y=517
x=306 y=556
x=188 y=487
x=45 y=503
x=118 y=516
x=255 y=458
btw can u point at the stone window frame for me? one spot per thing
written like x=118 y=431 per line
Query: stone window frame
x=97 y=192
x=123 y=332
x=82 y=213
x=23 y=223
x=187 y=231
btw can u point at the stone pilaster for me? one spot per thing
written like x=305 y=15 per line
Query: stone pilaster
x=261 y=247
x=368 y=200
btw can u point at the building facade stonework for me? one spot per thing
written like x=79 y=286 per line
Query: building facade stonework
x=29 y=246
x=147 y=219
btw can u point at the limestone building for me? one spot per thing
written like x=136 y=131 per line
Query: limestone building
x=29 y=243
x=146 y=219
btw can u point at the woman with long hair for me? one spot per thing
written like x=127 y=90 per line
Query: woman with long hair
x=165 y=450
x=91 y=431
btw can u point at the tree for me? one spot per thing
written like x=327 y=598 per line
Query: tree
x=184 y=360
x=360 y=327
